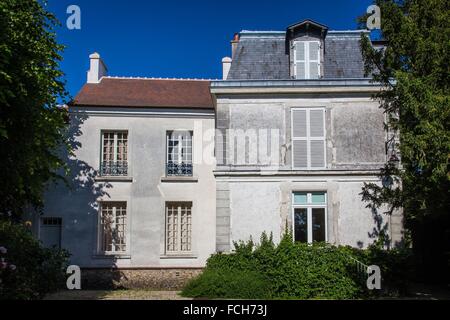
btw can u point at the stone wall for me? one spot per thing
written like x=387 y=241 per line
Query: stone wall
x=154 y=279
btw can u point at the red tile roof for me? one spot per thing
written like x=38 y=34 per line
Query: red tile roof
x=129 y=92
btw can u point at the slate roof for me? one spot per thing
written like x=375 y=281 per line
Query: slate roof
x=265 y=56
x=132 y=92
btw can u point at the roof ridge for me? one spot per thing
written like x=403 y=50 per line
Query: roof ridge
x=158 y=78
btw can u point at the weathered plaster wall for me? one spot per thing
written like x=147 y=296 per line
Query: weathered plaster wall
x=354 y=124
x=265 y=204
x=258 y=201
x=145 y=193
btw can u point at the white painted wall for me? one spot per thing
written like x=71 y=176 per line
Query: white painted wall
x=145 y=194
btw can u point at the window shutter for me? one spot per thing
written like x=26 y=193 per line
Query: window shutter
x=317 y=154
x=314 y=51
x=299 y=123
x=300 y=153
x=317 y=136
x=316 y=123
x=314 y=60
x=308 y=138
x=300 y=60
x=299 y=131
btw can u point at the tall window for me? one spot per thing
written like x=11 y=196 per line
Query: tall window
x=178 y=227
x=114 y=153
x=113 y=221
x=308 y=138
x=179 y=153
x=310 y=216
x=307 y=59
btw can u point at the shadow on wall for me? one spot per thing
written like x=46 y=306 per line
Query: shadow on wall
x=85 y=190
x=380 y=232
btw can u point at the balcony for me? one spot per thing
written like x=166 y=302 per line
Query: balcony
x=114 y=169
x=178 y=169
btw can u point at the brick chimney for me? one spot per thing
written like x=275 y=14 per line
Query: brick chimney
x=226 y=62
x=234 y=44
x=97 y=69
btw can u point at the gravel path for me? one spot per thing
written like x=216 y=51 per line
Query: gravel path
x=115 y=295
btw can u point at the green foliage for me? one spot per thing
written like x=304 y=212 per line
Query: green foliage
x=396 y=267
x=228 y=284
x=415 y=70
x=27 y=270
x=31 y=124
x=287 y=271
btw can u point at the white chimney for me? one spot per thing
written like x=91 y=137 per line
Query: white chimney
x=226 y=65
x=97 y=69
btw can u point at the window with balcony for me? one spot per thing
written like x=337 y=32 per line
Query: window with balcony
x=114 y=160
x=179 y=153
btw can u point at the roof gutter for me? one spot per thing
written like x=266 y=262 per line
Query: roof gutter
x=295 y=86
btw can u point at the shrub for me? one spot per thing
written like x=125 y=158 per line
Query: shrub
x=27 y=270
x=296 y=271
x=228 y=284
x=395 y=264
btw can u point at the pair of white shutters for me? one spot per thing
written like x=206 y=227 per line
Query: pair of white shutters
x=307 y=59
x=308 y=138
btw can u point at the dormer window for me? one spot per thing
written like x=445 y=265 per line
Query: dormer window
x=306 y=40
x=307 y=59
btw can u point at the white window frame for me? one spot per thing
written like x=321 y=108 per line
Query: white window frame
x=308 y=139
x=115 y=132
x=309 y=206
x=307 y=60
x=178 y=250
x=100 y=249
x=181 y=148
x=115 y=153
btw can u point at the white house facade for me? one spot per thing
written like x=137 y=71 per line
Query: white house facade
x=167 y=172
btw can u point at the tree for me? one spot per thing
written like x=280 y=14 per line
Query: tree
x=414 y=68
x=31 y=123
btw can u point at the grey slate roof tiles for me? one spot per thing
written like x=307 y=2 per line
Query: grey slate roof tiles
x=265 y=57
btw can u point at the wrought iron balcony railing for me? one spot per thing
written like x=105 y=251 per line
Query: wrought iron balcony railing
x=114 y=168
x=178 y=169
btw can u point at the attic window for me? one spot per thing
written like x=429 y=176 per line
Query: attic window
x=306 y=59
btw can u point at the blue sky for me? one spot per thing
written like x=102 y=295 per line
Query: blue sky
x=180 y=39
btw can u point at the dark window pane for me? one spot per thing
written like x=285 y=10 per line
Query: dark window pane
x=318 y=224
x=301 y=225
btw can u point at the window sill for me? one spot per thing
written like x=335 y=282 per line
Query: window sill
x=112 y=256
x=114 y=179
x=179 y=256
x=189 y=179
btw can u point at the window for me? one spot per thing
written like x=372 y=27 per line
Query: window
x=178 y=227
x=113 y=220
x=309 y=209
x=308 y=138
x=179 y=153
x=307 y=59
x=114 y=160
x=50 y=232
